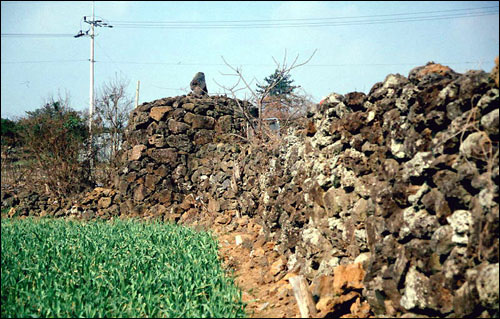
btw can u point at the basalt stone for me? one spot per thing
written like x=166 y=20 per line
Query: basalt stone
x=138 y=137
x=419 y=224
x=454 y=109
x=198 y=84
x=140 y=193
x=487 y=287
x=490 y=123
x=152 y=128
x=224 y=124
x=473 y=82
x=140 y=121
x=189 y=117
x=104 y=202
x=178 y=114
x=137 y=152
x=475 y=145
x=489 y=101
x=461 y=222
x=204 y=108
x=203 y=136
x=165 y=155
x=436 y=119
x=188 y=106
x=177 y=127
x=415 y=167
x=441 y=242
x=158 y=113
x=179 y=172
x=144 y=107
x=420 y=73
x=200 y=121
x=448 y=183
x=180 y=142
x=435 y=202
x=466 y=300
x=158 y=140
x=355 y=100
x=448 y=95
x=150 y=181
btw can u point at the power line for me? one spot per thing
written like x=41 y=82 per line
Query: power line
x=37 y=35
x=239 y=24
x=172 y=89
x=302 y=25
x=308 y=23
x=111 y=59
x=243 y=64
x=273 y=65
x=46 y=61
x=298 y=19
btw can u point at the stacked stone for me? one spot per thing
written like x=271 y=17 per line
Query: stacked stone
x=98 y=203
x=403 y=179
x=170 y=151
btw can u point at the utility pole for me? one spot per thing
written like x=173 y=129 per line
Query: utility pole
x=91 y=104
x=93 y=23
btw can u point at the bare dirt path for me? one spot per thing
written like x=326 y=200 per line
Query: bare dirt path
x=259 y=271
x=262 y=275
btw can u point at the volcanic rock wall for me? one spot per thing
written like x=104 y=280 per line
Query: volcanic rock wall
x=175 y=157
x=403 y=180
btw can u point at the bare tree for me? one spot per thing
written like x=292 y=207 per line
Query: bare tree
x=258 y=98
x=112 y=110
x=291 y=108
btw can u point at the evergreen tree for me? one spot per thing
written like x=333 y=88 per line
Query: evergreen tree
x=282 y=84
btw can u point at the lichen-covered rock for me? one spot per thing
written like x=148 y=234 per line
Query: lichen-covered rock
x=490 y=122
x=419 y=224
x=417 y=294
x=487 y=286
x=461 y=222
x=475 y=145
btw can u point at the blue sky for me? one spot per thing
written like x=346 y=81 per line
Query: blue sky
x=373 y=42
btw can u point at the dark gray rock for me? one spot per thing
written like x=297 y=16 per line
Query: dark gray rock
x=198 y=84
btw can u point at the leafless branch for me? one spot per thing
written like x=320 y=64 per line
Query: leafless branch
x=283 y=68
x=233 y=91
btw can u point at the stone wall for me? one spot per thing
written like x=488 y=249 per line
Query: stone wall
x=176 y=157
x=402 y=181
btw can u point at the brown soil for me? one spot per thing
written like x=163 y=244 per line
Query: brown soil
x=259 y=271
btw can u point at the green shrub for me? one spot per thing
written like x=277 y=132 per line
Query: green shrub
x=57 y=268
x=10 y=132
x=55 y=138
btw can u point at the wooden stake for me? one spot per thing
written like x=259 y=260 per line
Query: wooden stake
x=137 y=94
x=303 y=296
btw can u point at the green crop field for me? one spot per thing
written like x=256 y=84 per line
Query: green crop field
x=64 y=268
